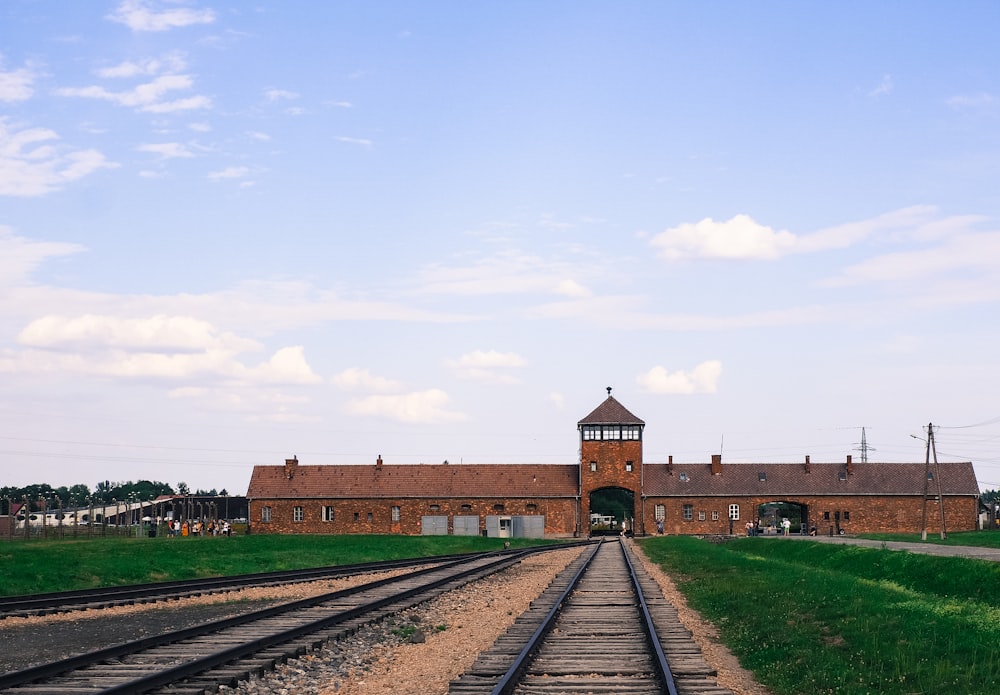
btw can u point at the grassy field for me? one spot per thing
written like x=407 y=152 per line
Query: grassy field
x=985 y=539
x=43 y=566
x=819 y=618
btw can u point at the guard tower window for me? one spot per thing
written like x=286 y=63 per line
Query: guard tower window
x=593 y=466
x=628 y=466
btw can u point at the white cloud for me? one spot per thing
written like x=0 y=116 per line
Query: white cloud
x=256 y=404
x=355 y=141
x=30 y=168
x=16 y=85
x=739 y=237
x=355 y=378
x=167 y=150
x=170 y=63
x=20 y=256
x=488 y=365
x=702 y=379
x=279 y=94
x=162 y=333
x=140 y=15
x=287 y=366
x=884 y=87
x=420 y=407
x=146 y=97
x=971 y=100
x=229 y=173
x=506 y=272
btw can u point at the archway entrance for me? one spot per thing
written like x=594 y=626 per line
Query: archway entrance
x=771 y=515
x=611 y=508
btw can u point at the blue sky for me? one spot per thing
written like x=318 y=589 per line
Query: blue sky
x=230 y=233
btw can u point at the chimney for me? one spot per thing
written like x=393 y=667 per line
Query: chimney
x=378 y=461
x=808 y=469
x=670 y=465
x=850 y=465
x=716 y=464
x=290 y=466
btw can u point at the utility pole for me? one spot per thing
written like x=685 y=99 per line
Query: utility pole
x=864 y=448
x=929 y=474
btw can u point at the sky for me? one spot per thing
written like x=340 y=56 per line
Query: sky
x=234 y=232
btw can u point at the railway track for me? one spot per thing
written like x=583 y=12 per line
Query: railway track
x=106 y=597
x=602 y=627
x=198 y=660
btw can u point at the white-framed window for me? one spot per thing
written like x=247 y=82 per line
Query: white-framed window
x=734 y=512
x=593 y=466
x=328 y=514
x=396 y=513
x=297 y=514
x=660 y=512
x=629 y=466
x=715 y=515
x=688 y=512
x=701 y=516
x=265 y=515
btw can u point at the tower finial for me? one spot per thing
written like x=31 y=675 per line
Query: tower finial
x=609 y=392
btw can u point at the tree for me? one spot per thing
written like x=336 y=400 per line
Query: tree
x=183 y=489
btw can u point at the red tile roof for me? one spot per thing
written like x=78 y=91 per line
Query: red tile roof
x=611 y=412
x=408 y=481
x=664 y=480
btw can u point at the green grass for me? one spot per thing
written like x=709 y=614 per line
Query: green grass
x=43 y=566
x=817 y=618
x=983 y=539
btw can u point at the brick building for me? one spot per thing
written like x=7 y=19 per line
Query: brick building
x=664 y=497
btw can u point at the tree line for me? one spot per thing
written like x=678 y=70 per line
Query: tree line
x=105 y=492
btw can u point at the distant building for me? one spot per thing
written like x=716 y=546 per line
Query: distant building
x=561 y=500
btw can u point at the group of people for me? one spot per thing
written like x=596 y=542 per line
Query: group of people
x=786 y=526
x=197 y=528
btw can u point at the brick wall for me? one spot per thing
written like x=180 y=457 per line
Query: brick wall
x=611 y=458
x=375 y=515
x=859 y=514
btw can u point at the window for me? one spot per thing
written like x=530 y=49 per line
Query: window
x=715 y=515
x=396 y=513
x=611 y=432
x=296 y=513
x=265 y=515
x=660 y=512
x=688 y=512
x=930 y=475
x=734 y=512
x=466 y=507
x=593 y=466
x=684 y=477
x=498 y=507
x=532 y=507
x=628 y=466
x=842 y=475
x=631 y=432
x=357 y=516
x=328 y=514
x=701 y=516
x=762 y=476
x=370 y=517
x=435 y=507
x=847 y=516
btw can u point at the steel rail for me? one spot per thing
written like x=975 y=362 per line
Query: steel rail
x=509 y=679
x=70 y=600
x=54 y=669
x=662 y=666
